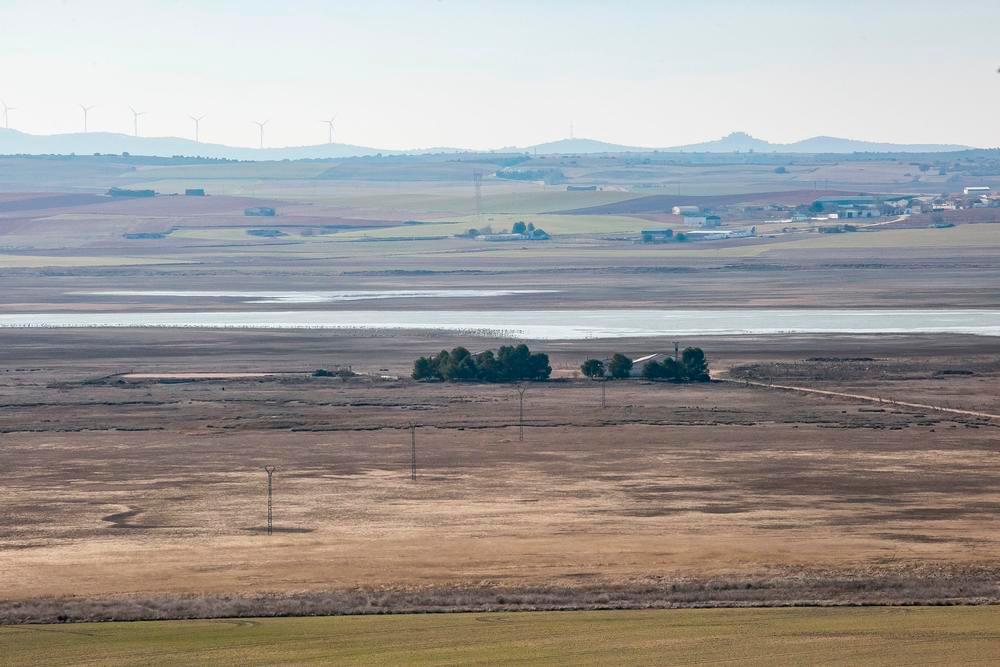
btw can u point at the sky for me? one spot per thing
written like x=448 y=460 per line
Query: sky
x=483 y=74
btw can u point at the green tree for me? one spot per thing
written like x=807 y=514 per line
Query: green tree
x=620 y=366
x=816 y=206
x=423 y=369
x=593 y=368
x=673 y=370
x=695 y=365
x=461 y=365
x=538 y=367
x=653 y=370
x=487 y=366
x=519 y=228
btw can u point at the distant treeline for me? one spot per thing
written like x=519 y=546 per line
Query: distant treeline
x=510 y=363
x=550 y=175
x=691 y=367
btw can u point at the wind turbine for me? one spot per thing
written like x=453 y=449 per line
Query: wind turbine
x=6 y=115
x=86 y=110
x=197 y=121
x=135 y=120
x=329 y=124
x=261 y=126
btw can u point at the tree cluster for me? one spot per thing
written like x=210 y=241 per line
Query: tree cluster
x=510 y=363
x=691 y=367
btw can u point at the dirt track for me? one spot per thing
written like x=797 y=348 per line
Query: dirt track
x=861 y=397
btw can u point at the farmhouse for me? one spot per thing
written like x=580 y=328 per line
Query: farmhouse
x=977 y=189
x=640 y=363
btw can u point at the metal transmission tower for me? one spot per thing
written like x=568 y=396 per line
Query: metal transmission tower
x=413 y=452
x=520 y=413
x=270 y=517
x=477 y=181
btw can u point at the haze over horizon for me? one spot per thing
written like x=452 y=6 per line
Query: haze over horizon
x=432 y=74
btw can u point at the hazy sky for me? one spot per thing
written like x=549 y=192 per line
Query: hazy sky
x=490 y=74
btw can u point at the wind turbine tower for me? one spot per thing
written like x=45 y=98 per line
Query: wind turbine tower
x=329 y=125
x=86 y=110
x=135 y=120
x=6 y=115
x=197 y=123
x=261 y=126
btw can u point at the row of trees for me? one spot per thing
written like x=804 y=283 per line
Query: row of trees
x=510 y=363
x=617 y=368
x=691 y=367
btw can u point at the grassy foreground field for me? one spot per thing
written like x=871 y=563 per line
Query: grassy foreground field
x=870 y=636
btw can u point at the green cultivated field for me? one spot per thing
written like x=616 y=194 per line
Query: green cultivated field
x=869 y=636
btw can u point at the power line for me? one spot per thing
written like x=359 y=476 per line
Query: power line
x=413 y=452
x=270 y=517
x=520 y=417
x=477 y=181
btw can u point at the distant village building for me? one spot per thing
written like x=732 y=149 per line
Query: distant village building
x=533 y=235
x=194 y=192
x=685 y=210
x=657 y=235
x=720 y=234
x=581 y=188
x=857 y=212
x=702 y=220
x=977 y=189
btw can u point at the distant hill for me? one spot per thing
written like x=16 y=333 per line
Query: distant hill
x=743 y=142
x=579 y=146
x=13 y=142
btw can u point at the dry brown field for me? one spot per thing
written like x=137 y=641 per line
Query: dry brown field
x=145 y=497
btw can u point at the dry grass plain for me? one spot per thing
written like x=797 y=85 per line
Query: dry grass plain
x=145 y=498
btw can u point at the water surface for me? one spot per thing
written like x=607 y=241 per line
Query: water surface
x=553 y=324
x=315 y=296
